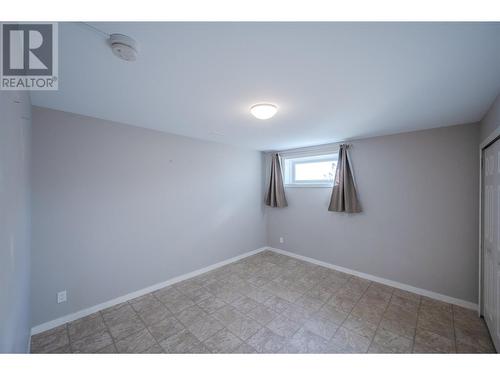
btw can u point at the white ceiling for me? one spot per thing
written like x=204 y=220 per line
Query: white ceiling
x=332 y=81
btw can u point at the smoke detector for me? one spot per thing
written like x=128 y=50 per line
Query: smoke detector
x=124 y=47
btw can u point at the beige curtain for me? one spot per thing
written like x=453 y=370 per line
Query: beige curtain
x=275 y=196
x=344 y=194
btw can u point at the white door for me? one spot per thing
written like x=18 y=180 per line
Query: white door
x=491 y=239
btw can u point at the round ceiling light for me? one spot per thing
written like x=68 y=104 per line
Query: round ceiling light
x=263 y=111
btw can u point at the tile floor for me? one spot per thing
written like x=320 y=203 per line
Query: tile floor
x=272 y=303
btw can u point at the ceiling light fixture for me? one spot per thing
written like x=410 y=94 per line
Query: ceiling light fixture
x=263 y=111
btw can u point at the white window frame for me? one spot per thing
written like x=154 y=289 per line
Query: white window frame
x=291 y=158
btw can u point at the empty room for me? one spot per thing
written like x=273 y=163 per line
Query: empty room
x=250 y=188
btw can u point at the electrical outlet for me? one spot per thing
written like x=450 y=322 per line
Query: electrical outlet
x=61 y=297
x=282 y=240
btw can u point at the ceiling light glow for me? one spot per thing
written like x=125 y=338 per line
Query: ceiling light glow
x=263 y=111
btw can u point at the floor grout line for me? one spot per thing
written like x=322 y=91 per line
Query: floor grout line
x=108 y=329
x=378 y=325
x=454 y=333
x=416 y=325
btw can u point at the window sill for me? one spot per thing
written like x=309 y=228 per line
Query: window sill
x=308 y=186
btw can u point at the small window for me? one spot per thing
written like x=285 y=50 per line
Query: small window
x=310 y=171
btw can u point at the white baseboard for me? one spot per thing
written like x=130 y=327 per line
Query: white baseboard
x=90 y=310
x=395 y=284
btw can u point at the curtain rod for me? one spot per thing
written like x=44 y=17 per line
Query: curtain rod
x=325 y=147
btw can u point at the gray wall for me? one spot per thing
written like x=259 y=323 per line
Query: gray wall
x=15 y=128
x=419 y=192
x=491 y=120
x=118 y=208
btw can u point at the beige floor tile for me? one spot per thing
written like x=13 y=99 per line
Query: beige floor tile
x=211 y=304
x=50 y=340
x=191 y=314
x=309 y=304
x=198 y=295
x=283 y=326
x=245 y=304
x=373 y=302
x=360 y=326
x=322 y=325
x=433 y=304
x=228 y=295
x=92 y=343
x=155 y=349
x=399 y=327
x=114 y=308
x=86 y=326
x=119 y=314
x=419 y=348
x=244 y=349
x=227 y=315
x=260 y=295
x=464 y=348
x=388 y=342
x=188 y=285
x=470 y=324
x=305 y=341
x=61 y=350
x=166 y=328
x=215 y=286
x=348 y=341
x=396 y=312
x=277 y=304
x=110 y=349
x=435 y=341
x=223 y=342
x=136 y=343
x=322 y=291
x=204 y=327
x=126 y=327
x=463 y=314
x=166 y=294
x=297 y=313
x=258 y=281
x=181 y=342
x=473 y=338
x=199 y=349
x=144 y=303
x=334 y=314
x=154 y=315
x=205 y=278
x=436 y=315
x=405 y=303
x=381 y=287
x=266 y=341
x=407 y=295
x=262 y=314
x=177 y=304
x=346 y=290
x=358 y=284
x=343 y=301
x=443 y=328
x=368 y=312
x=374 y=294
x=288 y=292
x=244 y=327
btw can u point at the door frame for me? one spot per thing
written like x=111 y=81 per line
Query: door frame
x=494 y=136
